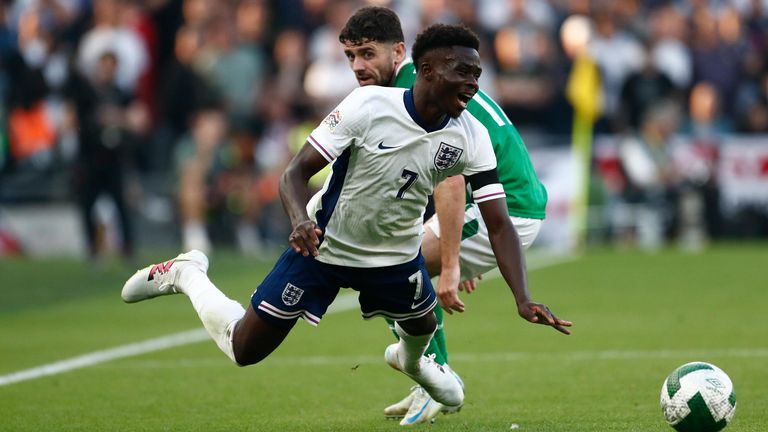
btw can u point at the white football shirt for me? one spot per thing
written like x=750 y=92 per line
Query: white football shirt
x=385 y=165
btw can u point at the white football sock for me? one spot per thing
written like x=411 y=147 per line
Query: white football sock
x=195 y=236
x=411 y=348
x=218 y=312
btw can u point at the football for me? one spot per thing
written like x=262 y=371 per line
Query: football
x=698 y=397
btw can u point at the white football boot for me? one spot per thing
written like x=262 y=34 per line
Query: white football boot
x=453 y=409
x=161 y=279
x=398 y=409
x=440 y=383
x=423 y=409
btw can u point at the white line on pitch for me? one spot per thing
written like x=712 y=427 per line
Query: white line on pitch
x=97 y=357
x=341 y=304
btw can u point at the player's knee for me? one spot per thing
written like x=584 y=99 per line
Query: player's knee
x=254 y=339
x=246 y=357
x=245 y=361
x=420 y=326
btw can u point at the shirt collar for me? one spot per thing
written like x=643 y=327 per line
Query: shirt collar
x=410 y=106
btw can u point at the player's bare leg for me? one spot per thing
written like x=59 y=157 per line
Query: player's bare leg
x=254 y=339
x=420 y=327
x=242 y=336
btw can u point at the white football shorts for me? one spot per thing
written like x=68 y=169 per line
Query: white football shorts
x=476 y=256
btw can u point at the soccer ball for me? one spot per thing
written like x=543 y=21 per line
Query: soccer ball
x=698 y=397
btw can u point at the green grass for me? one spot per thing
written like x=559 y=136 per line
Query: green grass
x=636 y=317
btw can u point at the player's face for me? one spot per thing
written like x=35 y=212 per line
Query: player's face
x=374 y=63
x=456 y=73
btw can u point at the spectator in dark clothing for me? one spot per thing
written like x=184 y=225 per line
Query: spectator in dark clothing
x=715 y=60
x=641 y=90
x=184 y=91
x=101 y=110
x=30 y=132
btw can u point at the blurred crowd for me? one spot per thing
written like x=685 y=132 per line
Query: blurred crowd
x=211 y=98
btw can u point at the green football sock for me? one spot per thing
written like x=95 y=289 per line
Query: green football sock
x=437 y=344
x=440 y=349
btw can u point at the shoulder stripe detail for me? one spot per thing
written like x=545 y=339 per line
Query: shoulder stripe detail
x=499 y=117
x=489 y=192
x=496 y=107
x=319 y=147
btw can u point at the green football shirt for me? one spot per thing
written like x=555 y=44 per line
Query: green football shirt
x=526 y=195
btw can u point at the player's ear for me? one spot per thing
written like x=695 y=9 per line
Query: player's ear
x=426 y=70
x=398 y=50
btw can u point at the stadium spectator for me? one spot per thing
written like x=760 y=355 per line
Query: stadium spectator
x=618 y=53
x=651 y=179
x=717 y=54
x=707 y=129
x=643 y=89
x=105 y=127
x=184 y=92
x=493 y=15
x=327 y=63
x=31 y=133
x=526 y=73
x=705 y=120
x=135 y=17
x=755 y=117
x=109 y=34
x=289 y=64
x=238 y=189
x=198 y=13
x=671 y=55
x=234 y=62
x=195 y=163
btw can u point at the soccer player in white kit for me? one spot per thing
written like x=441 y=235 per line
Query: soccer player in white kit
x=389 y=148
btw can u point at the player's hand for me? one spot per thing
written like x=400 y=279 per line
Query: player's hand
x=305 y=238
x=469 y=285
x=540 y=314
x=448 y=290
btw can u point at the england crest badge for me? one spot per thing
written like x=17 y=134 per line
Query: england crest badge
x=447 y=156
x=292 y=294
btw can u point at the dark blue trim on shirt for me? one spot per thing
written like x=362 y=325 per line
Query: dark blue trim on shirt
x=331 y=196
x=410 y=106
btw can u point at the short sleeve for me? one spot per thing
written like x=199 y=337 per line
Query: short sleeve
x=342 y=127
x=481 y=155
x=481 y=167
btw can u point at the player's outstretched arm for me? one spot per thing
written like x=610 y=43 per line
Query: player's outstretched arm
x=294 y=193
x=509 y=256
x=450 y=197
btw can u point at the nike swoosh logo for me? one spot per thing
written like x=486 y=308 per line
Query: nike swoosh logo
x=416 y=416
x=415 y=305
x=383 y=147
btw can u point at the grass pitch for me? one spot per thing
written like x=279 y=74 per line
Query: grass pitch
x=636 y=317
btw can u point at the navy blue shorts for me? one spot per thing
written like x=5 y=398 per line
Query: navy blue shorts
x=303 y=287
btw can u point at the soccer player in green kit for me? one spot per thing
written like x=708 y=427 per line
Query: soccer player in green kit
x=456 y=244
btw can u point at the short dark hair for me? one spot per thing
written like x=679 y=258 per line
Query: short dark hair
x=372 y=24
x=442 y=36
